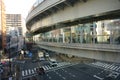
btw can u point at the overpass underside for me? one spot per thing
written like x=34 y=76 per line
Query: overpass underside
x=101 y=52
x=49 y=16
x=66 y=13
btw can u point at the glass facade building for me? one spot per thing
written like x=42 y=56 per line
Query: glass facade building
x=100 y=32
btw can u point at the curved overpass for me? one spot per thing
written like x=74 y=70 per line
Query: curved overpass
x=62 y=13
x=55 y=14
x=103 y=52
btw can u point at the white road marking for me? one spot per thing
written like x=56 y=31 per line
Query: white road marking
x=70 y=73
x=44 y=67
x=49 y=67
x=110 y=66
x=98 y=77
x=23 y=73
x=29 y=71
x=49 y=77
x=32 y=71
x=115 y=67
x=57 y=73
x=60 y=75
x=73 y=76
x=64 y=78
x=26 y=72
x=118 y=69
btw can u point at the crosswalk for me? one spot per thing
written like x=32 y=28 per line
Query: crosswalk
x=108 y=66
x=33 y=72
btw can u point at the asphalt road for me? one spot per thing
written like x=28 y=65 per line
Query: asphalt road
x=66 y=71
x=78 y=72
x=75 y=72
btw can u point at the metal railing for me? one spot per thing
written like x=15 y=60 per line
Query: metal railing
x=99 y=47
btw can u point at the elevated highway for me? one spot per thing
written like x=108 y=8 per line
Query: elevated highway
x=102 y=52
x=55 y=14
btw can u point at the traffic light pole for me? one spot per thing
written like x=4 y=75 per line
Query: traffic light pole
x=10 y=72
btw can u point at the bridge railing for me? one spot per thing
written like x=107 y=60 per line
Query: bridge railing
x=99 y=47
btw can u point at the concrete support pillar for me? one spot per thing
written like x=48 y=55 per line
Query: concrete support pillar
x=94 y=32
x=57 y=38
x=63 y=37
x=71 y=35
x=81 y=36
x=52 y=37
x=111 y=37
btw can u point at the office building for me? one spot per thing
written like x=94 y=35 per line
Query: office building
x=2 y=23
x=14 y=20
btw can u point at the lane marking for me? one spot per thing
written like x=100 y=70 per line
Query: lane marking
x=70 y=73
x=118 y=69
x=26 y=72
x=49 y=67
x=49 y=77
x=98 y=77
x=29 y=71
x=56 y=72
x=23 y=73
x=73 y=76
x=32 y=71
x=64 y=78
x=60 y=75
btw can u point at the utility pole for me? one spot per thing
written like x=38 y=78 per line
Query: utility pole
x=10 y=72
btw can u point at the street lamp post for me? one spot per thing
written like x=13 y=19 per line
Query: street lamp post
x=17 y=41
x=10 y=74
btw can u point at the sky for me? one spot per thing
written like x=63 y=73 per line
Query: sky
x=18 y=6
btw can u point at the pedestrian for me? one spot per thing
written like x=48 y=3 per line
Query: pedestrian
x=37 y=70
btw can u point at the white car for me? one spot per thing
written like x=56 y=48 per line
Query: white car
x=42 y=59
x=46 y=55
x=53 y=62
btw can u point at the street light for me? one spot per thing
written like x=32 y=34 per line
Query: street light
x=10 y=74
x=16 y=34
